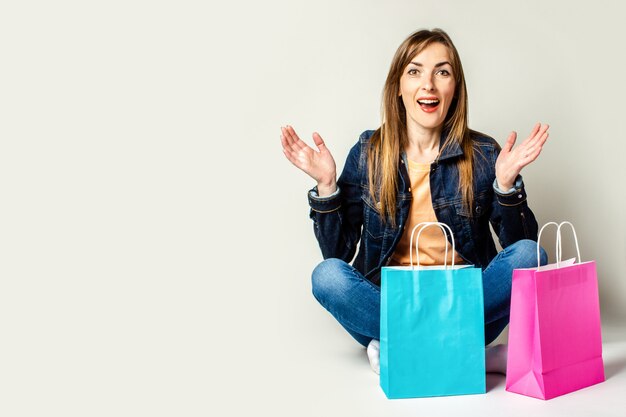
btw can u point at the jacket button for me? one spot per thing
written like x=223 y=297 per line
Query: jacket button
x=409 y=189
x=519 y=196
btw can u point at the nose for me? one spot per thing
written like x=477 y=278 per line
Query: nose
x=428 y=84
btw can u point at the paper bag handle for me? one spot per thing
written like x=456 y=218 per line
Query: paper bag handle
x=559 y=249
x=560 y=240
x=423 y=226
x=539 y=241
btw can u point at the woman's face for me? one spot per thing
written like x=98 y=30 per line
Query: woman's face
x=427 y=88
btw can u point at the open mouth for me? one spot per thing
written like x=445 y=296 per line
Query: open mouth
x=428 y=105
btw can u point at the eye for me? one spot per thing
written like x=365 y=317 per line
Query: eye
x=412 y=71
x=443 y=72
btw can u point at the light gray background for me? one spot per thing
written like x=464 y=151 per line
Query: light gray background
x=155 y=247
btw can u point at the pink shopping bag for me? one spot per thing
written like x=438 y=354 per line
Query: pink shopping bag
x=555 y=343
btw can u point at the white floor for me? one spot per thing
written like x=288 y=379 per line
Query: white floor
x=328 y=374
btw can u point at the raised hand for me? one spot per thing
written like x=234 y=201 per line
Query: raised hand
x=319 y=164
x=511 y=161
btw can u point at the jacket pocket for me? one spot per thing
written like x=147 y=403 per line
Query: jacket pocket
x=481 y=208
x=373 y=222
x=475 y=223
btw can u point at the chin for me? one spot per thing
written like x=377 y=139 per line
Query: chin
x=431 y=125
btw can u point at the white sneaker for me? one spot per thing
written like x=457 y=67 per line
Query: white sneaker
x=373 y=354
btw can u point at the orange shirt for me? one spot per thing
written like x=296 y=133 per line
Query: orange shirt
x=432 y=244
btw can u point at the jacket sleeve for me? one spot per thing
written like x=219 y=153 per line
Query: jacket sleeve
x=511 y=218
x=337 y=219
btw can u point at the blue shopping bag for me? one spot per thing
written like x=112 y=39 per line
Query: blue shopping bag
x=432 y=340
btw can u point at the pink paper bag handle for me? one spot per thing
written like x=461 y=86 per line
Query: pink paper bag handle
x=560 y=239
x=559 y=249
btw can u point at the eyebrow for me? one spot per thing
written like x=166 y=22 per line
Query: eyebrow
x=436 y=65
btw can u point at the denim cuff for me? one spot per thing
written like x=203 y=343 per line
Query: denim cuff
x=325 y=204
x=513 y=196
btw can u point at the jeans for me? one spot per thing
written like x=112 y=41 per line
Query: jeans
x=355 y=302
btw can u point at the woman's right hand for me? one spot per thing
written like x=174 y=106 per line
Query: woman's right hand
x=319 y=165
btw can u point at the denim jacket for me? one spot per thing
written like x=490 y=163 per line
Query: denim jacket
x=349 y=216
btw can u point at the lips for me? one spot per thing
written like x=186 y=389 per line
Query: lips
x=428 y=104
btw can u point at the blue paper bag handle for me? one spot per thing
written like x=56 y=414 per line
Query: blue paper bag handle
x=423 y=226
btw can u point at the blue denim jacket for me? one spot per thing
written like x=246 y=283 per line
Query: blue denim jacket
x=350 y=216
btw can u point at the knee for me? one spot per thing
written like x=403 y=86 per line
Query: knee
x=526 y=253
x=326 y=278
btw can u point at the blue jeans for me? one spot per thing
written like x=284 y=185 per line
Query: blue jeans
x=355 y=302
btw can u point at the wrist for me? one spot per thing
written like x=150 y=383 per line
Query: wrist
x=515 y=188
x=326 y=188
x=505 y=186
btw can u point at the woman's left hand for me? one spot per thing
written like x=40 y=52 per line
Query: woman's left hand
x=511 y=161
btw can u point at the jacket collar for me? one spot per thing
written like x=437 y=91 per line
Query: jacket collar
x=452 y=150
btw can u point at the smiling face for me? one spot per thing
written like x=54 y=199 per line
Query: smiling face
x=427 y=88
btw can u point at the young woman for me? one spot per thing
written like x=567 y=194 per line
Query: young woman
x=422 y=164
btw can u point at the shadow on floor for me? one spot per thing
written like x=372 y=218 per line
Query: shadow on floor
x=494 y=381
x=614 y=367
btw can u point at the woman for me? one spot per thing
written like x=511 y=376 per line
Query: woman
x=422 y=164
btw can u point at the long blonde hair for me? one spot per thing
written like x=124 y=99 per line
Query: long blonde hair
x=387 y=142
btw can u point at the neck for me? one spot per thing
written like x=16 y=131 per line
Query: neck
x=423 y=146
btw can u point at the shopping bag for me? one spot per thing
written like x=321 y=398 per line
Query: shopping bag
x=432 y=340
x=555 y=343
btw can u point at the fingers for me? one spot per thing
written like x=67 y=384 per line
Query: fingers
x=296 y=148
x=530 y=154
x=533 y=152
x=284 y=141
x=319 y=142
x=541 y=132
x=510 y=141
x=536 y=128
x=542 y=139
x=288 y=150
x=297 y=142
x=290 y=138
x=538 y=131
x=291 y=155
x=535 y=141
x=291 y=148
